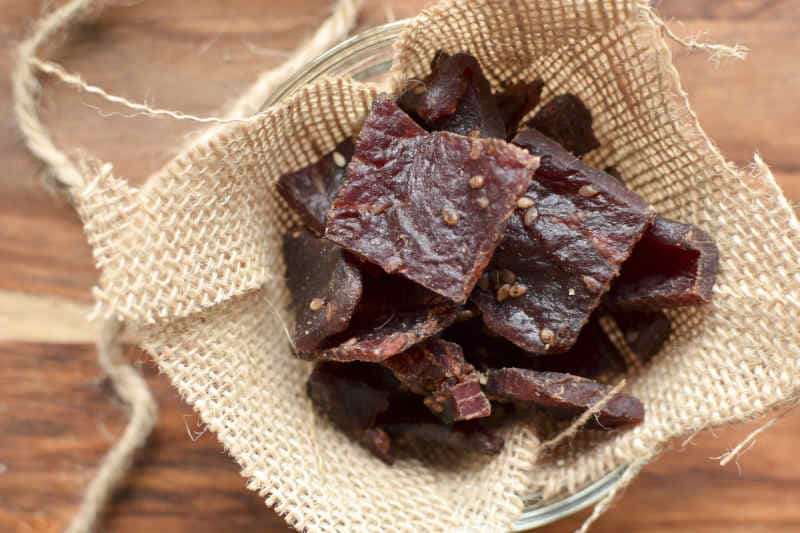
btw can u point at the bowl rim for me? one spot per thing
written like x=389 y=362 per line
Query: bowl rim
x=358 y=43
x=535 y=513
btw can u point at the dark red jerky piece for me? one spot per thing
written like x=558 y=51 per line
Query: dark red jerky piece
x=463 y=436
x=564 y=394
x=516 y=101
x=593 y=355
x=463 y=400
x=456 y=97
x=394 y=314
x=429 y=366
x=353 y=396
x=325 y=287
x=310 y=190
x=644 y=332
x=568 y=121
x=437 y=369
x=564 y=254
x=396 y=335
x=674 y=265
x=410 y=205
x=439 y=93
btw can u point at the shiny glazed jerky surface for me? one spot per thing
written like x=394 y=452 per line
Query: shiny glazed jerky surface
x=325 y=287
x=310 y=190
x=570 y=395
x=585 y=225
x=411 y=205
x=674 y=265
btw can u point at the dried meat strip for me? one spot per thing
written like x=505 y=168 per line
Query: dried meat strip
x=564 y=394
x=437 y=369
x=429 y=207
x=393 y=315
x=562 y=248
x=310 y=190
x=456 y=97
x=325 y=288
x=674 y=265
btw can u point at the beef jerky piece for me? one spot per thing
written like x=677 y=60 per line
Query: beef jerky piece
x=429 y=207
x=564 y=394
x=674 y=265
x=393 y=315
x=353 y=396
x=438 y=94
x=437 y=369
x=456 y=97
x=593 y=355
x=398 y=334
x=516 y=101
x=568 y=121
x=644 y=332
x=325 y=287
x=310 y=190
x=463 y=436
x=561 y=249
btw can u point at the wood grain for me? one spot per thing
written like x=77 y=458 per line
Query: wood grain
x=57 y=418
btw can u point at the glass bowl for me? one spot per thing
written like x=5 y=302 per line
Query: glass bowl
x=367 y=57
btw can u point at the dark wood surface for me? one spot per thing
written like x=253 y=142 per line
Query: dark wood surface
x=57 y=417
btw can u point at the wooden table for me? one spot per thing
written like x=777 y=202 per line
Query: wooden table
x=57 y=417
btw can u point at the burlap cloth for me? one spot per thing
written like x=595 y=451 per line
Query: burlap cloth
x=192 y=259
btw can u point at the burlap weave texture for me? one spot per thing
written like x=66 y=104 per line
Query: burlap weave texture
x=193 y=260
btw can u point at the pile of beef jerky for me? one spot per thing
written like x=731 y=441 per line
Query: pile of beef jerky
x=456 y=261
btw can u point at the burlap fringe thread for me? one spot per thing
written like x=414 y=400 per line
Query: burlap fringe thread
x=67 y=175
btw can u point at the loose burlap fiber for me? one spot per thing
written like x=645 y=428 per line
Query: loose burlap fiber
x=193 y=260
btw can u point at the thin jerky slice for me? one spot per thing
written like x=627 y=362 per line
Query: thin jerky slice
x=564 y=394
x=516 y=101
x=560 y=251
x=353 y=396
x=429 y=207
x=568 y=121
x=310 y=190
x=456 y=97
x=325 y=288
x=674 y=265
x=644 y=332
x=394 y=315
x=437 y=369
x=463 y=436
